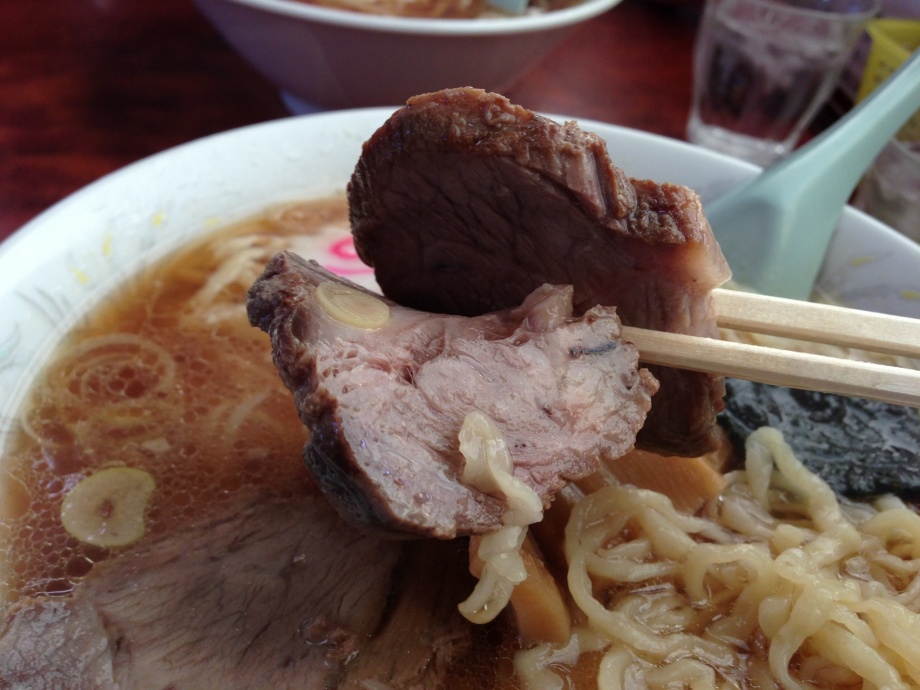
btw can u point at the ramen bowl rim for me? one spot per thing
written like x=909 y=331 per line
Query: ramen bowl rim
x=21 y=254
x=484 y=26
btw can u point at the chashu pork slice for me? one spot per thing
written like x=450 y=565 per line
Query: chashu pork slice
x=464 y=203
x=280 y=595
x=385 y=393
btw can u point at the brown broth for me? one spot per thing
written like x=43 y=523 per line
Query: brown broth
x=199 y=440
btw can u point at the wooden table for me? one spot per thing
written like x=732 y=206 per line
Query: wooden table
x=88 y=86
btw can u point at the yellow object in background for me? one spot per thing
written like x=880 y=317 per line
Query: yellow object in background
x=893 y=40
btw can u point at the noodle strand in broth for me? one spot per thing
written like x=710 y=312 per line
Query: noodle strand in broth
x=778 y=583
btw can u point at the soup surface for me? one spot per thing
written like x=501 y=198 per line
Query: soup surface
x=166 y=376
x=753 y=580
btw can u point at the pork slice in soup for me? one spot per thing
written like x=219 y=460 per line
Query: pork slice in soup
x=274 y=595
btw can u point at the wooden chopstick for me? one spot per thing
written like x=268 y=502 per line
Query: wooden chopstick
x=803 y=321
x=818 y=323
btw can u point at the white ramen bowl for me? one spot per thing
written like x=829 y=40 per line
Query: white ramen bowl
x=320 y=57
x=63 y=262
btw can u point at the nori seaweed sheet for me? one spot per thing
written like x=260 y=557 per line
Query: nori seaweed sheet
x=861 y=448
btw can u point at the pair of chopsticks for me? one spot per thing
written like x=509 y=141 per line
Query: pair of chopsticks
x=805 y=321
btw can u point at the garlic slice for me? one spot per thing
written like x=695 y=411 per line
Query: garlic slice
x=107 y=507
x=352 y=307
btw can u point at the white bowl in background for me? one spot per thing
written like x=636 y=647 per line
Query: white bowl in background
x=63 y=262
x=320 y=57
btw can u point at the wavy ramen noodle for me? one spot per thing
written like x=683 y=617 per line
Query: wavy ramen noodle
x=776 y=583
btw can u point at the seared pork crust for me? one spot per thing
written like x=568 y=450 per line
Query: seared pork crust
x=465 y=203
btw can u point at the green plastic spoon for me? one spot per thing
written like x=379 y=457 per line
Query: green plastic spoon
x=775 y=229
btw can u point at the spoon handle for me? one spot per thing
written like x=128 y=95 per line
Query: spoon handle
x=776 y=228
x=842 y=153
